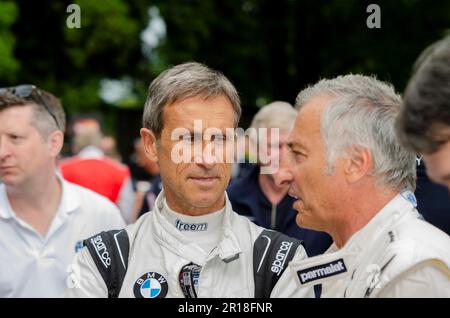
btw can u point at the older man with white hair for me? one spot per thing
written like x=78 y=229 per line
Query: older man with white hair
x=257 y=196
x=352 y=179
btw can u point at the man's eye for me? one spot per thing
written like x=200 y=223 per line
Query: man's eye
x=187 y=138
x=298 y=156
x=218 y=138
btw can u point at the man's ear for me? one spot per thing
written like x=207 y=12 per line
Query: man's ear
x=149 y=142
x=55 y=142
x=358 y=164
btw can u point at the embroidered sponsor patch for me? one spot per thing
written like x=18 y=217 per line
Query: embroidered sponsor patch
x=188 y=278
x=184 y=226
x=150 y=285
x=322 y=271
x=101 y=250
x=280 y=257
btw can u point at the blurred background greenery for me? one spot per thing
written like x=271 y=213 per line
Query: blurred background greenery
x=270 y=49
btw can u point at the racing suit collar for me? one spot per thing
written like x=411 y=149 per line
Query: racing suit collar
x=389 y=214
x=337 y=263
x=172 y=239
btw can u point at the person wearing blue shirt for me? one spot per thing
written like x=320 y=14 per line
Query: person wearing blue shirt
x=433 y=200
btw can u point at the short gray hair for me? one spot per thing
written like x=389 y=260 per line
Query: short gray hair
x=275 y=115
x=362 y=113
x=185 y=81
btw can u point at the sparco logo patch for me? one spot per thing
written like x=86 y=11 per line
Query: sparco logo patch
x=321 y=271
x=101 y=250
x=150 y=285
x=280 y=257
x=182 y=226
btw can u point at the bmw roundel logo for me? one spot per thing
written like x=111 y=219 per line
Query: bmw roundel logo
x=150 y=285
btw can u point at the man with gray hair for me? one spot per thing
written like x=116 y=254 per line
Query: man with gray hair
x=192 y=244
x=352 y=179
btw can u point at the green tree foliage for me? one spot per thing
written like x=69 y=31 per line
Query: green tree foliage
x=8 y=63
x=270 y=49
x=71 y=62
x=104 y=39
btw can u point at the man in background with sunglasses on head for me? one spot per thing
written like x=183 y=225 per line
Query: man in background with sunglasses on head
x=43 y=218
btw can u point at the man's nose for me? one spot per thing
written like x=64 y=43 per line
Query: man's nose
x=4 y=149
x=204 y=156
x=284 y=174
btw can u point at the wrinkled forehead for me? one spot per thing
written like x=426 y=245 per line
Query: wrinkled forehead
x=199 y=112
x=22 y=111
x=306 y=131
x=308 y=121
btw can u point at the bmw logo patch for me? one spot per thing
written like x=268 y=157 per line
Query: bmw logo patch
x=150 y=285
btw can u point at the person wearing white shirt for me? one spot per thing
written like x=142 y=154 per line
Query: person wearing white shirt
x=352 y=179
x=43 y=219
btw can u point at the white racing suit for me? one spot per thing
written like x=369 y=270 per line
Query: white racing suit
x=158 y=252
x=397 y=254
